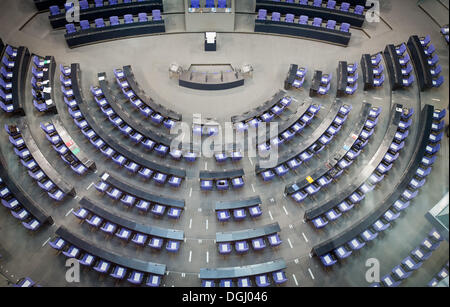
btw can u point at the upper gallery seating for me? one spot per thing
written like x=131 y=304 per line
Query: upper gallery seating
x=238 y=208
x=22 y=207
x=425 y=62
x=208 y=4
x=240 y=238
x=295 y=77
x=114 y=28
x=100 y=9
x=381 y=217
x=340 y=160
x=13 y=69
x=106 y=143
x=340 y=12
x=314 y=144
x=221 y=179
x=264 y=113
x=114 y=225
x=245 y=276
x=411 y=263
x=66 y=147
x=37 y=165
x=43 y=72
x=441 y=275
x=133 y=92
x=107 y=262
x=373 y=71
x=143 y=201
x=369 y=176
x=330 y=33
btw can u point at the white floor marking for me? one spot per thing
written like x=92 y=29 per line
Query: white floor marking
x=251 y=162
x=190 y=223
x=206 y=224
x=285 y=211
x=290 y=244
x=295 y=279
x=207 y=257
x=69 y=212
x=46 y=242
x=90 y=186
x=253 y=188
x=304 y=237
x=190 y=256
x=190 y=192
x=206 y=165
x=270 y=214
x=310 y=273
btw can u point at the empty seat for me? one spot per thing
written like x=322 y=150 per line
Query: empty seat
x=156 y=15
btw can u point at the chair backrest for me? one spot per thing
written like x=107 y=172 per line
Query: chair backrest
x=331 y=4
x=303 y=19
x=114 y=20
x=304 y=2
x=99 y=23
x=317 y=21
x=195 y=3
x=156 y=14
x=222 y=4
x=331 y=24
x=262 y=14
x=209 y=3
x=345 y=27
x=54 y=10
x=289 y=18
x=276 y=16
x=317 y=3
x=359 y=9
x=98 y=3
x=345 y=6
x=70 y=28
x=142 y=17
x=128 y=18
x=84 y=24
x=84 y=4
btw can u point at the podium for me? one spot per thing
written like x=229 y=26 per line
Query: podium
x=210 y=41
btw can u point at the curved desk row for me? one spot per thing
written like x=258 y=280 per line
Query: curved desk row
x=71 y=145
x=93 y=207
x=367 y=71
x=312 y=141
x=108 y=255
x=134 y=85
x=42 y=161
x=237 y=204
x=329 y=165
x=111 y=140
x=393 y=67
x=107 y=33
x=356 y=20
x=303 y=31
x=266 y=107
x=365 y=173
x=126 y=117
x=367 y=221
x=243 y=271
x=223 y=80
x=19 y=78
x=120 y=9
x=247 y=234
x=18 y=193
x=422 y=68
x=141 y=194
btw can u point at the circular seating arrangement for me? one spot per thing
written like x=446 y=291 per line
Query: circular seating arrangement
x=124 y=183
